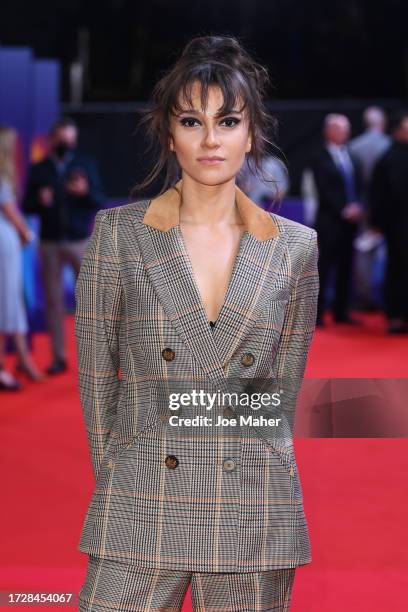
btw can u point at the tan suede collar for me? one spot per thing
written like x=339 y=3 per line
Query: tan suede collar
x=163 y=213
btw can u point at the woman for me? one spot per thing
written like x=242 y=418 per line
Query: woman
x=198 y=287
x=13 y=232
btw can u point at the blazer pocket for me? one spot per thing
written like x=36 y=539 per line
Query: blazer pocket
x=285 y=456
x=121 y=446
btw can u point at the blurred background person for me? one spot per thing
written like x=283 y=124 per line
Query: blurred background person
x=367 y=148
x=310 y=197
x=266 y=190
x=14 y=233
x=372 y=143
x=388 y=213
x=338 y=180
x=65 y=191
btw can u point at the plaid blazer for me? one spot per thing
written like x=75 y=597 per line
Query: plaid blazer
x=213 y=503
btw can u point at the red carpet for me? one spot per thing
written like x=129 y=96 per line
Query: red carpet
x=355 y=491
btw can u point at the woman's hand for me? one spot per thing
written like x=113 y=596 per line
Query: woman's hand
x=26 y=235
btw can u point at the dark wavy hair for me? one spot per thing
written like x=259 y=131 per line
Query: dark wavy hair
x=211 y=60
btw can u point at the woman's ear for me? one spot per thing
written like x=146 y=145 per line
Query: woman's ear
x=171 y=143
x=249 y=144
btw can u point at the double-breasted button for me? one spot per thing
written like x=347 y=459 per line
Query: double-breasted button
x=164 y=418
x=110 y=464
x=228 y=412
x=168 y=354
x=228 y=465
x=171 y=461
x=247 y=359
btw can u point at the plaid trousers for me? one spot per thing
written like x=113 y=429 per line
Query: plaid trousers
x=114 y=585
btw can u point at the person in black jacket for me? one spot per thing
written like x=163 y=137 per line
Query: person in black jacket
x=388 y=213
x=339 y=185
x=65 y=191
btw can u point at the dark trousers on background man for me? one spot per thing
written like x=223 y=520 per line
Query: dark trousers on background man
x=336 y=253
x=396 y=278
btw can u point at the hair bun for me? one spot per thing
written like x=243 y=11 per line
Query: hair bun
x=227 y=50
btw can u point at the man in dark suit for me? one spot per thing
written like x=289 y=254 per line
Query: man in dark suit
x=388 y=213
x=65 y=191
x=338 y=182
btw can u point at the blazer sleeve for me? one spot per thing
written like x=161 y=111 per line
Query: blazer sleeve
x=297 y=331
x=98 y=293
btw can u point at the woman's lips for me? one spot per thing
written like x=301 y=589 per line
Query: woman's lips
x=209 y=161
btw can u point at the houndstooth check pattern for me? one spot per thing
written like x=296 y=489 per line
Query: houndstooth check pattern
x=122 y=587
x=136 y=296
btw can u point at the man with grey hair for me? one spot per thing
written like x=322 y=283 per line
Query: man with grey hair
x=338 y=180
x=367 y=149
x=370 y=145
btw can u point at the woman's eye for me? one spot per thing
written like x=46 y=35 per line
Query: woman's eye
x=189 y=121
x=234 y=120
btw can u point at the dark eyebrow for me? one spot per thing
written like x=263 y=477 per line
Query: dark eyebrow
x=195 y=112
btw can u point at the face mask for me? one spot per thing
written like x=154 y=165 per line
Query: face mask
x=61 y=148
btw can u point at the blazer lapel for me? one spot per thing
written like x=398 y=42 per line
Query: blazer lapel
x=170 y=271
x=256 y=265
x=170 y=275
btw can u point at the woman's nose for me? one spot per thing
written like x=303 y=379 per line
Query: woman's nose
x=211 y=137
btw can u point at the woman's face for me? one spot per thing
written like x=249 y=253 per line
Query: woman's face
x=197 y=135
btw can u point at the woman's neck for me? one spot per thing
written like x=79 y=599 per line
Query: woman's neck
x=208 y=204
